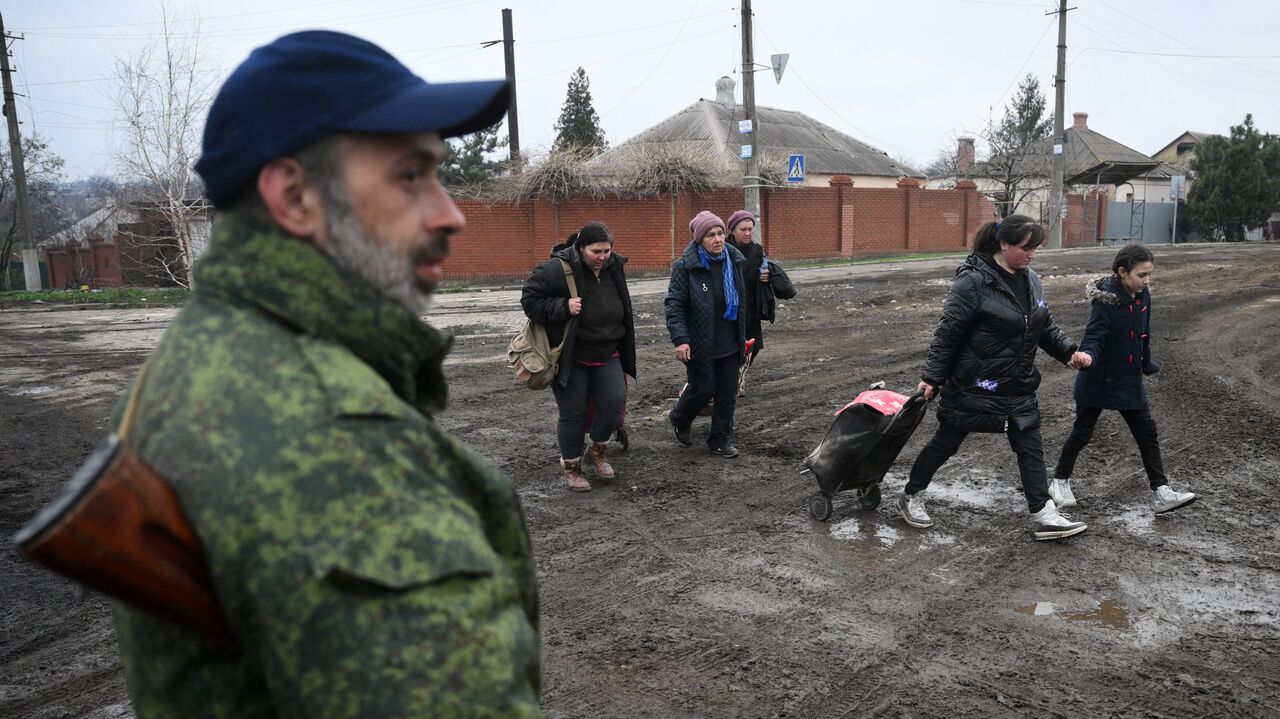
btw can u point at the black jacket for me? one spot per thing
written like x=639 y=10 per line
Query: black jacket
x=690 y=303
x=545 y=300
x=1118 y=339
x=984 y=348
x=750 y=301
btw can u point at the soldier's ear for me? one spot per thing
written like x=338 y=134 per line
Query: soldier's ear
x=292 y=200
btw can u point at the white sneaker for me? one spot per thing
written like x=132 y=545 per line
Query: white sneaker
x=911 y=506
x=1166 y=499
x=1060 y=492
x=1048 y=524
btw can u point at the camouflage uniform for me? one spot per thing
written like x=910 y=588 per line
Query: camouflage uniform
x=369 y=564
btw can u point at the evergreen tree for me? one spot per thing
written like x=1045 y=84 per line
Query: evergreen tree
x=1237 y=182
x=579 y=125
x=468 y=161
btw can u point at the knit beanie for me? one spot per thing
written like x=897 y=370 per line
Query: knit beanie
x=702 y=223
x=739 y=216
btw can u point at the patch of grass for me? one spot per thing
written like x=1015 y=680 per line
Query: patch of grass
x=112 y=295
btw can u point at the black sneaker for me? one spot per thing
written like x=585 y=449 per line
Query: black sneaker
x=683 y=436
x=725 y=450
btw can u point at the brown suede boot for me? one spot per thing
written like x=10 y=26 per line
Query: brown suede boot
x=573 y=475
x=599 y=460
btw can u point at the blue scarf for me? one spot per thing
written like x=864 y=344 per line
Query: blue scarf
x=730 y=287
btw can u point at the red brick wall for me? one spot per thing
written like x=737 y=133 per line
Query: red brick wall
x=506 y=240
x=105 y=263
x=1086 y=220
x=802 y=224
x=875 y=221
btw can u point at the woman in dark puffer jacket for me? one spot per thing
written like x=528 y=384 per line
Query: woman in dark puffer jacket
x=983 y=357
x=1118 y=338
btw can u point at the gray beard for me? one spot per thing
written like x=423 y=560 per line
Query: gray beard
x=353 y=249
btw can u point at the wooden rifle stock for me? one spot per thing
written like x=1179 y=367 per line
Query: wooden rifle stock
x=119 y=528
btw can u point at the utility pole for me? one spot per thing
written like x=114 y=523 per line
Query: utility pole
x=30 y=255
x=513 y=121
x=1056 y=207
x=751 y=176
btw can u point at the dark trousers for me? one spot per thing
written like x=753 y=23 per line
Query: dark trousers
x=1141 y=426
x=719 y=380
x=1026 y=444
x=604 y=384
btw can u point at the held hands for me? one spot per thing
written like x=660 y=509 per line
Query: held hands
x=1080 y=360
x=764 y=275
x=927 y=388
x=575 y=306
x=683 y=352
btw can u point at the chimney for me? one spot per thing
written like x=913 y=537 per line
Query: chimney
x=1081 y=120
x=724 y=91
x=964 y=156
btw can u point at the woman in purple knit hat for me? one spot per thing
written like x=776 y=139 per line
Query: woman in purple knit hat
x=708 y=326
x=741 y=227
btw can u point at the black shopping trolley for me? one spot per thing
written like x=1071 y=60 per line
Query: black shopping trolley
x=861 y=445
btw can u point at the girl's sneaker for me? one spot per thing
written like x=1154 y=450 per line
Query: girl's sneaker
x=1060 y=491
x=1165 y=499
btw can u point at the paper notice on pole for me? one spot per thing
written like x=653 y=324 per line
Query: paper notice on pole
x=744 y=126
x=746 y=151
x=1057 y=149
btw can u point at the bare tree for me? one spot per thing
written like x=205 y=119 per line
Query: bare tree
x=1018 y=162
x=162 y=93
x=43 y=170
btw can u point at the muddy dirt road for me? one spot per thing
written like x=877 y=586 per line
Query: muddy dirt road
x=693 y=586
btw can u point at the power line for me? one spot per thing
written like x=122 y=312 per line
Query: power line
x=1018 y=75
x=308 y=6
x=1181 y=54
x=791 y=68
x=1005 y=4
x=1176 y=70
x=1226 y=66
x=682 y=23
x=1158 y=30
x=693 y=6
x=630 y=54
x=362 y=18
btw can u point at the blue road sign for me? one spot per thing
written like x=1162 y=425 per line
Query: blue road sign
x=795 y=168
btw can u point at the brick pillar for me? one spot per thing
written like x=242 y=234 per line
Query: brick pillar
x=969 y=194
x=842 y=183
x=767 y=240
x=910 y=187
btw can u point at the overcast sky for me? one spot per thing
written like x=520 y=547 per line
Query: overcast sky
x=904 y=76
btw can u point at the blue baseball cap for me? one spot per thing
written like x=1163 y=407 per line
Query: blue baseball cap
x=306 y=85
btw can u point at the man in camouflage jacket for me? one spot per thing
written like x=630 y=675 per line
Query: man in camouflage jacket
x=368 y=564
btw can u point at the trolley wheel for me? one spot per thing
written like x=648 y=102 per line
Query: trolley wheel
x=621 y=437
x=820 y=507
x=869 y=497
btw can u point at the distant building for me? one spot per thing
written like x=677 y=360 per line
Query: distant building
x=1182 y=150
x=1093 y=163
x=121 y=244
x=709 y=128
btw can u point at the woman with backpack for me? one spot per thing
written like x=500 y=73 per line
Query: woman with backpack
x=983 y=359
x=1118 y=338
x=595 y=321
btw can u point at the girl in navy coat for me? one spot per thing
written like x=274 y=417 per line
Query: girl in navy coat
x=1118 y=338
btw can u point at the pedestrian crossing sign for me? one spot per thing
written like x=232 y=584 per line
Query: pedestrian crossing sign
x=795 y=168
